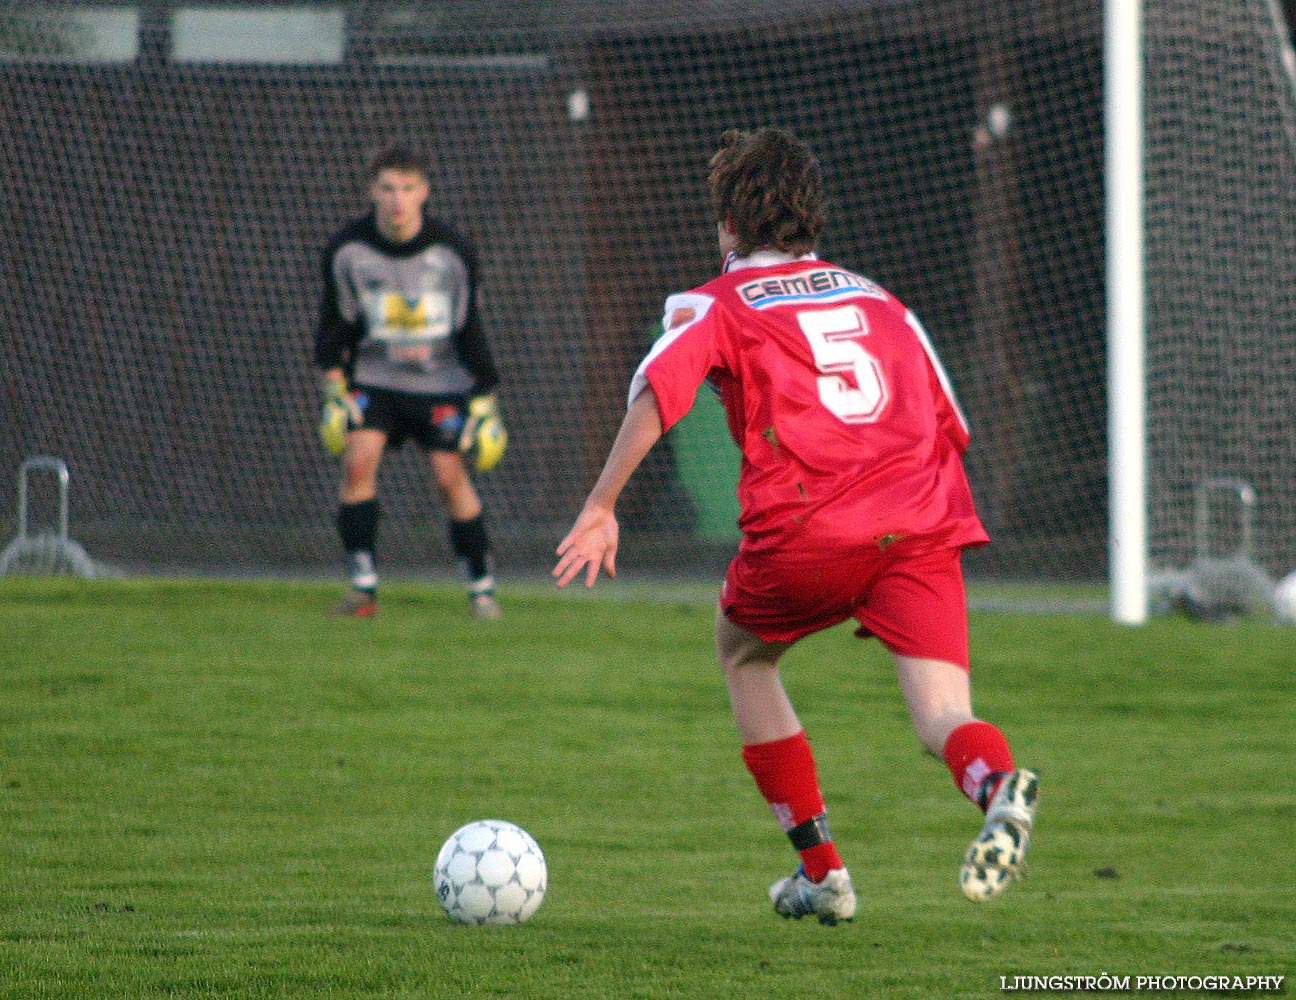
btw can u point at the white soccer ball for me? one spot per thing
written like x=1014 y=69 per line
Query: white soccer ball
x=490 y=872
x=1284 y=599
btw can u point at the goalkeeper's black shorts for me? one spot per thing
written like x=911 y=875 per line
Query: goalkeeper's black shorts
x=434 y=422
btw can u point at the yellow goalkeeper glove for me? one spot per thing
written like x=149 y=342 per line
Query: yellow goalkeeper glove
x=339 y=413
x=484 y=437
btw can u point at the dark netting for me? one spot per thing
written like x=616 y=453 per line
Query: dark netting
x=165 y=210
x=1221 y=251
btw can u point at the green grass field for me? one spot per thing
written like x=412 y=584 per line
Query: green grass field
x=211 y=790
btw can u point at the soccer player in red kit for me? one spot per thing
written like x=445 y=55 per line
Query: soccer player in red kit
x=853 y=499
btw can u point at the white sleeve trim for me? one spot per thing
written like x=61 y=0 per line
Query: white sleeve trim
x=916 y=325
x=678 y=309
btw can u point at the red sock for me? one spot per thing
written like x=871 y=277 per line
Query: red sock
x=974 y=751
x=785 y=774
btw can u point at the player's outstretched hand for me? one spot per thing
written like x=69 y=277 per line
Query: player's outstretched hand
x=591 y=544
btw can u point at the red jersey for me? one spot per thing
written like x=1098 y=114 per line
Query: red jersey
x=850 y=433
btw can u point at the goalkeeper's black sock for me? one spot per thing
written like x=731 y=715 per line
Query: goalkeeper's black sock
x=472 y=547
x=358 y=527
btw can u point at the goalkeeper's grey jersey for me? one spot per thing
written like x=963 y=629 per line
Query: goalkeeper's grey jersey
x=403 y=316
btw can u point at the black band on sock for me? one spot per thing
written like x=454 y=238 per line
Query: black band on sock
x=989 y=785
x=357 y=524
x=472 y=546
x=811 y=833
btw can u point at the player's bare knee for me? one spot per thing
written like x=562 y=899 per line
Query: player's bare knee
x=359 y=474
x=452 y=479
x=355 y=484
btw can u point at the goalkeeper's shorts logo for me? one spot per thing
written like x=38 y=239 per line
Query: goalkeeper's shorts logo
x=447 y=418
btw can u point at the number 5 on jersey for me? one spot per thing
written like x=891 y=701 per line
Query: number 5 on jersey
x=833 y=337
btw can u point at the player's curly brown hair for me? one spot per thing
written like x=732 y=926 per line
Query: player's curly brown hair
x=768 y=187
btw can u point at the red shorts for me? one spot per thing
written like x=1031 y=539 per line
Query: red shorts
x=915 y=604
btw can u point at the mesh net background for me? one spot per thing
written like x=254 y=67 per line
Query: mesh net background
x=166 y=208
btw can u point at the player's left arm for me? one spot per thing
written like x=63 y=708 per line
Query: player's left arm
x=483 y=432
x=475 y=353
x=483 y=427
x=469 y=338
x=591 y=544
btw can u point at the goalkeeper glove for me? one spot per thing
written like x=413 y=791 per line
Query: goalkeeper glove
x=484 y=437
x=339 y=413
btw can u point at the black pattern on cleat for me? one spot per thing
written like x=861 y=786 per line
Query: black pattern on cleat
x=997 y=857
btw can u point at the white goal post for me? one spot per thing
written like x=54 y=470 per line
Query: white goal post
x=1126 y=382
x=1200 y=166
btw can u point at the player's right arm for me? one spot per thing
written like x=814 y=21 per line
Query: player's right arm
x=661 y=391
x=335 y=339
x=335 y=334
x=592 y=542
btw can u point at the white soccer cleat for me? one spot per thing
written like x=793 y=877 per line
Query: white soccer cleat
x=831 y=900
x=997 y=858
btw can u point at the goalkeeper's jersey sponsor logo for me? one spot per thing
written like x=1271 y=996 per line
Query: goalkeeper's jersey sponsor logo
x=409 y=326
x=402 y=317
x=405 y=314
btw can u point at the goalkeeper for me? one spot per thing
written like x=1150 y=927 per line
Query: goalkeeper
x=402 y=354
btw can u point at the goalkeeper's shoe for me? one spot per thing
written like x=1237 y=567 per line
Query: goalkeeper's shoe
x=484 y=606
x=829 y=901
x=997 y=858
x=356 y=604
